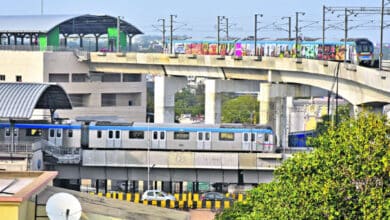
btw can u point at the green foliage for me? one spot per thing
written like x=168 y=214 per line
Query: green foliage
x=188 y=102
x=243 y=109
x=345 y=177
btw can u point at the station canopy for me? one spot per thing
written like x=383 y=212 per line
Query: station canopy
x=67 y=24
x=18 y=100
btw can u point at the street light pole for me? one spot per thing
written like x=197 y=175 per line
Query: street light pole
x=171 y=46
x=381 y=40
x=256 y=29
x=289 y=27
x=296 y=33
x=163 y=33
x=148 y=156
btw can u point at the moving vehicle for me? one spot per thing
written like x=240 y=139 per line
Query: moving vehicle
x=358 y=51
x=162 y=137
x=157 y=195
x=212 y=196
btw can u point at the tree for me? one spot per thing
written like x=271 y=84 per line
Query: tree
x=243 y=109
x=190 y=102
x=345 y=177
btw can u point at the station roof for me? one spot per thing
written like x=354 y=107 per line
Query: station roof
x=68 y=24
x=18 y=100
x=20 y=186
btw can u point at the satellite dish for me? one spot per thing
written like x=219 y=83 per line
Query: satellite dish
x=63 y=206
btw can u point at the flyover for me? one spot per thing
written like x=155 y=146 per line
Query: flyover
x=359 y=85
x=276 y=80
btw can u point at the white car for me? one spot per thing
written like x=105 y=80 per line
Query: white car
x=155 y=194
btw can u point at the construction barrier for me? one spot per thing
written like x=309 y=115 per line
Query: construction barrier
x=183 y=201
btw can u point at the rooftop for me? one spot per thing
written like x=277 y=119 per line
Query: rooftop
x=20 y=186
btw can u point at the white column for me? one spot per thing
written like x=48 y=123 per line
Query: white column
x=289 y=108
x=278 y=119
x=265 y=104
x=212 y=102
x=164 y=97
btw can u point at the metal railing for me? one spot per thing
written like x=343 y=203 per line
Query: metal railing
x=18 y=148
x=386 y=65
x=36 y=48
x=63 y=155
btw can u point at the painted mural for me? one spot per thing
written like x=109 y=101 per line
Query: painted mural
x=309 y=50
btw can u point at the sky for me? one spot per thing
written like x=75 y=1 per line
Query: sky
x=198 y=18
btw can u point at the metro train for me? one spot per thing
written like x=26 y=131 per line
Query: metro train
x=110 y=135
x=358 y=50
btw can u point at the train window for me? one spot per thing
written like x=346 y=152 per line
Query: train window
x=51 y=133
x=155 y=135
x=253 y=137
x=200 y=136
x=70 y=133
x=207 y=136
x=110 y=134
x=59 y=134
x=99 y=134
x=136 y=135
x=245 y=137
x=180 y=135
x=117 y=134
x=33 y=132
x=266 y=137
x=226 y=136
x=7 y=132
x=162 y=135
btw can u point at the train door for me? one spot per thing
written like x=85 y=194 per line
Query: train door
x=203 y=140
x=248 y=141
x=117 y=139
x=114 y=139
x=55 y=136
x=7 y=136
x=159 y=139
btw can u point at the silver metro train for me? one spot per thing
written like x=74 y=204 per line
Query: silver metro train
x=110 y=135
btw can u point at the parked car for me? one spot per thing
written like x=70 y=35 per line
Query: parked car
x=155 y=194
x=211 y=196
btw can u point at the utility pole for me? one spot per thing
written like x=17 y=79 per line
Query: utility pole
x=289 y=27
x=296 y=32
x=345 y=33
x=381 y=40
x=171 y=40
x=218 y=30
x=227 y=28
x=256 y=29
x=118 y=20
x=323 y=32
x=163 y=33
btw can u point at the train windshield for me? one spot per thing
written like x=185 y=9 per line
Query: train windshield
x=364 y=47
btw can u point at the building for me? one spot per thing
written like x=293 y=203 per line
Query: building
x=17 y=189
x=35 y=49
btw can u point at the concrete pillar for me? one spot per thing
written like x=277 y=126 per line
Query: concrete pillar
x=212 y=102
x=289 y=107
x=265 y=104
x=278 y=119
x=354 y=111
x=164 y=97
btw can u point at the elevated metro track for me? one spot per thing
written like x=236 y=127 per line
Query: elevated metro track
x=358 y=85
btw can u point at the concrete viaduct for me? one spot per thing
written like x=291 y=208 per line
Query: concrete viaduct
x=276 y=80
